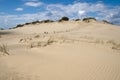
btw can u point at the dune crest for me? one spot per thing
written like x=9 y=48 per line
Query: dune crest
x=67 y=50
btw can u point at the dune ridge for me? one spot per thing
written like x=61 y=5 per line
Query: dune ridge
x=68 y=50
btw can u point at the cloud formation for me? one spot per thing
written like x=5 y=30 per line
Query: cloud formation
x=33 y=4
x=30 y=0
x=56 y=11
x=19 y=9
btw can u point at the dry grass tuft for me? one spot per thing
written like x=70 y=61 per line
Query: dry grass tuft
x=36 y=36
x=4 y=49
x=111 y=42
x=41 y=43
x=115 y=45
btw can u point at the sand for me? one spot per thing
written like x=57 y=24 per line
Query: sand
x=73 y=50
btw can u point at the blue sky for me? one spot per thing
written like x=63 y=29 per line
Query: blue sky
x=13 y=12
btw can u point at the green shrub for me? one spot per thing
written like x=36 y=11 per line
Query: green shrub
x=33 y=22
x=64 y=19
x=105 y=21
x=46 y=21
x=88 y=19
x=27 y=23
x=77 y=19
x=19 y=25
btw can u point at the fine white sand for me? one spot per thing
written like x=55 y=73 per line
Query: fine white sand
x=61 y=51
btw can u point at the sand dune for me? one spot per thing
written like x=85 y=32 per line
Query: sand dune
x=61 y=51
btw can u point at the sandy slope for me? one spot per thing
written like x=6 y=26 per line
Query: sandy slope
x=62 y=51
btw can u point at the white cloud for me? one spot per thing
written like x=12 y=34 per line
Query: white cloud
x=33 y=4
x=8 y=21
x=30 y=0
x=81 y=12
x=19 y=9
x=56 y=11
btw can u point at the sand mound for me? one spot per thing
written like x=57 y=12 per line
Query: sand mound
x=73 y=50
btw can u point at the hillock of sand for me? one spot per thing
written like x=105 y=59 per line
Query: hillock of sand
x=67 y=50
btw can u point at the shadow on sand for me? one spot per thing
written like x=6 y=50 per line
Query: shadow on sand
x=3 y=32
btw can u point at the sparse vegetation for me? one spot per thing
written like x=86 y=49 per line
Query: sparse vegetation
x=77 y=19
x=19 y=25
x=105 y=21
x=49 y=41
x=64 y=19
x=4 y=49
x=36 y=36
x=37 y=44
x=115 y=45
x=27 y=23
x=45 y=32
x=111 y=42
x=46 y=21
x=34 y=22
x=89 y=19
x=25 y=40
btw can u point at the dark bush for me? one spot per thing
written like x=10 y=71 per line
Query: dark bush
x=19 y=25
x=46 y=21
x=27 y=23
x=33 y=22
x=64 y=19
x=77 y=19
x=105 y=21
x=88 y=19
